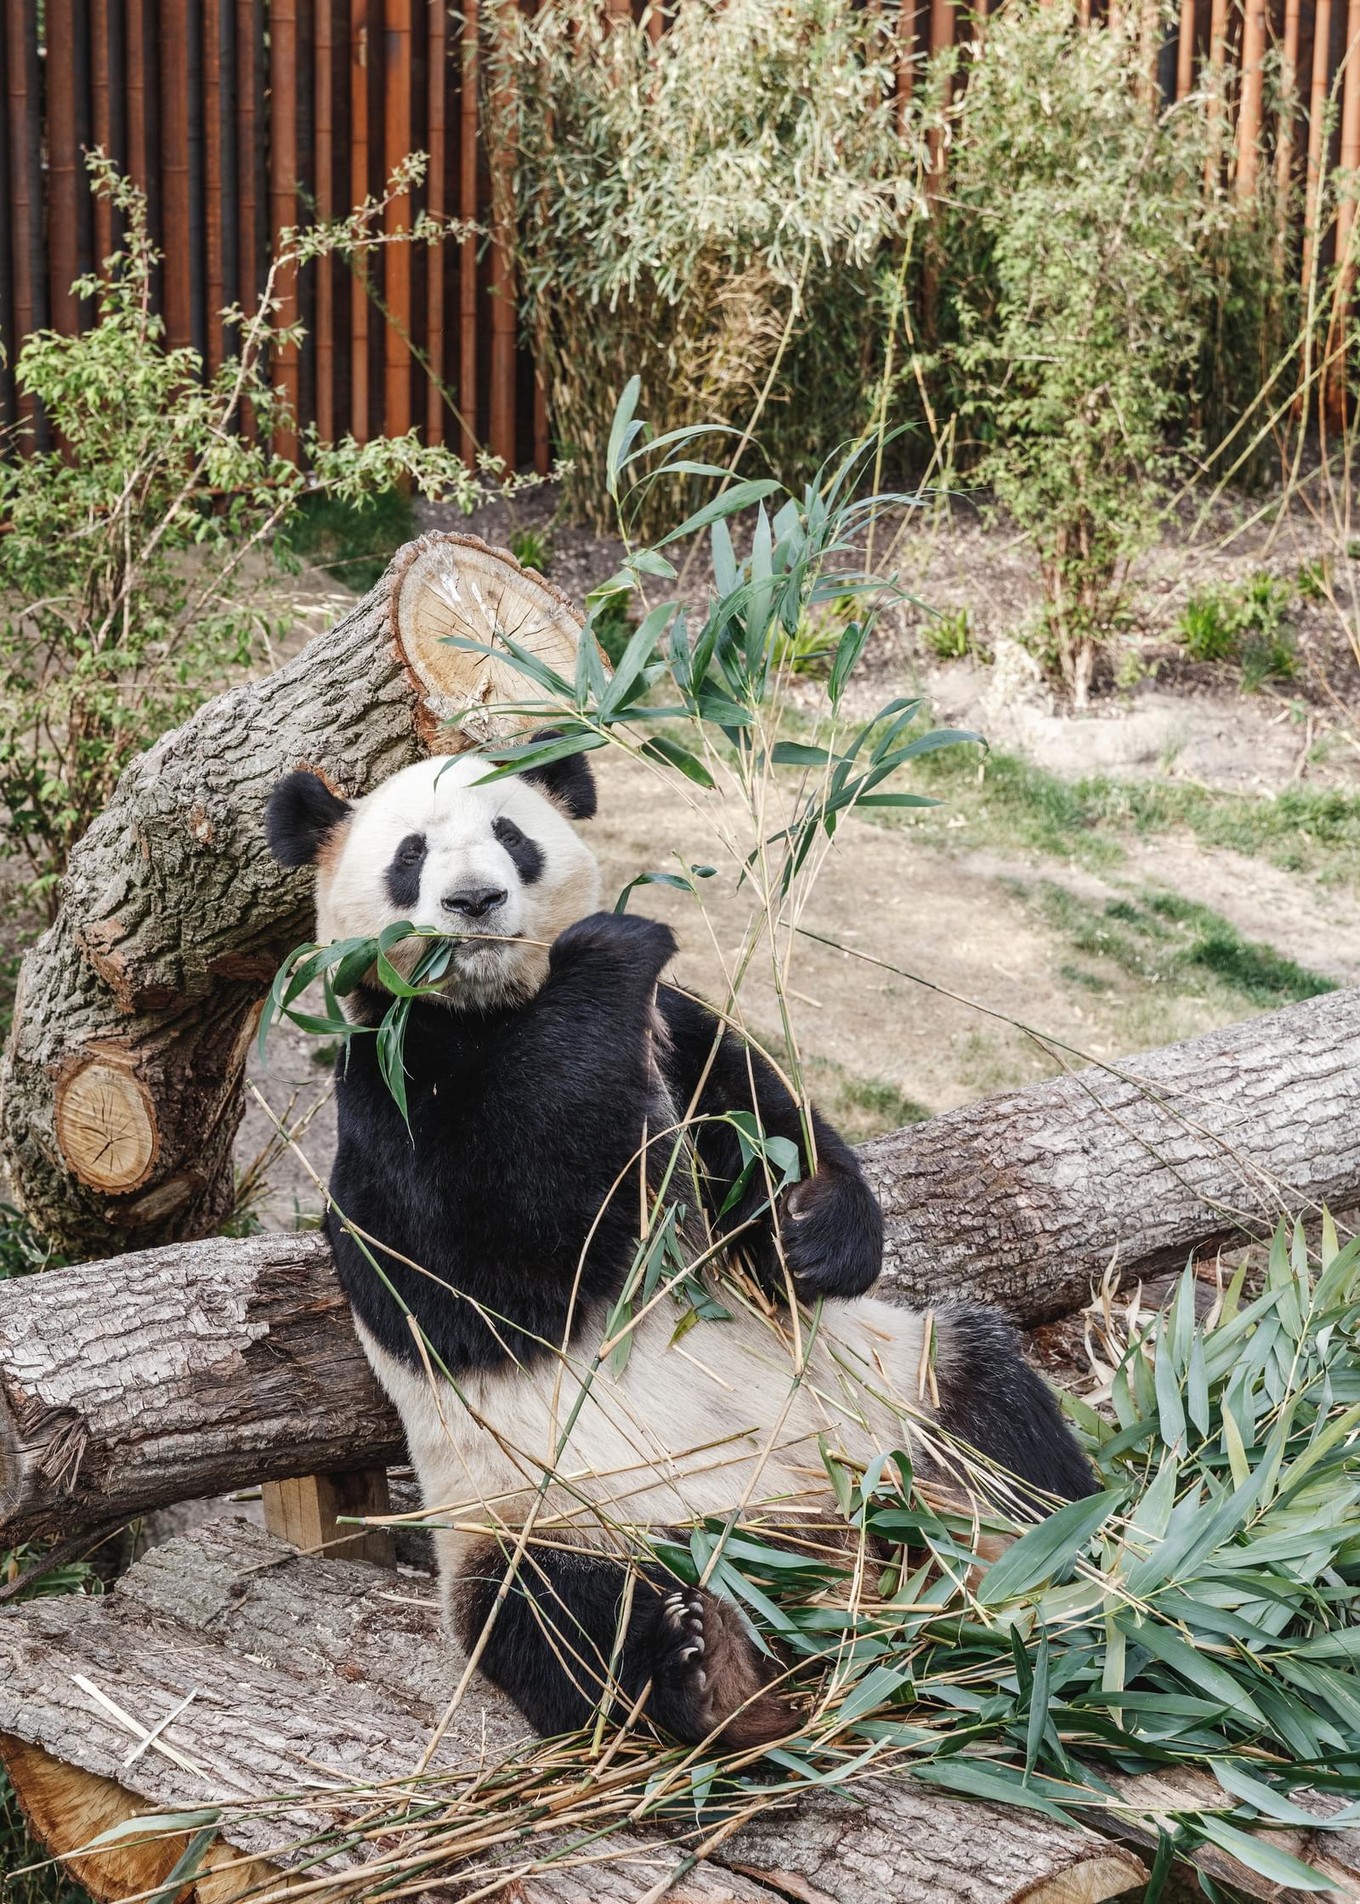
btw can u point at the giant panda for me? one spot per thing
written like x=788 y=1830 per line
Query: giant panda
x=483 y=1247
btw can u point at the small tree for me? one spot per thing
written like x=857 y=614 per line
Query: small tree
x=1071 y=242
x=123 y=547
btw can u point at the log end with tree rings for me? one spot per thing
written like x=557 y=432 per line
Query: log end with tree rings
x=457 y=587
x=106 y=1124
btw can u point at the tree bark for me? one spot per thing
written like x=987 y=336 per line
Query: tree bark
x=173 y=1374
x=1024 y=1200
x=121 y=1086
x=199 y=1368
x=310 y=1675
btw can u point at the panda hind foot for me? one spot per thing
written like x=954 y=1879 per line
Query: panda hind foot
x=709 y=1678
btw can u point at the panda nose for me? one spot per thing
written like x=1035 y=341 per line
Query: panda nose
x=474 y=902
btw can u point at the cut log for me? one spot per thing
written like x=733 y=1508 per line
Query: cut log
x=169 y=1375
x=121 y=1086
x=201 y=1368
x=1024 y=1200
x=314 y=1682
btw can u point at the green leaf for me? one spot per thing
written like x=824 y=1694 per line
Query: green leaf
x=1049 y=1548
x=732 y=501
x=662 y=747
x=622 y=431
x=848 y=651
x=1259 y=1855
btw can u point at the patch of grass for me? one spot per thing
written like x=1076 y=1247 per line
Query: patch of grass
x=22 y=1249
x=1246 y=623
x=1302 y=830
x=949 y=637
x=532 y=548
x=1162 y=939
x=353 y=541
x=860 y=1108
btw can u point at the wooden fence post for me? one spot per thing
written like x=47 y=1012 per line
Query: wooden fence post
x=397 y=256
x=283 y=178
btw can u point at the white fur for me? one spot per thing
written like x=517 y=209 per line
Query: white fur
x=711 y=1423
x=441 y=798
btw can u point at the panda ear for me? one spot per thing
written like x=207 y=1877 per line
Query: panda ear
x=301 y=816
x=569 y=781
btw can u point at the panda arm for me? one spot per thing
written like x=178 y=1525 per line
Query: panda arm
x=828 y=1225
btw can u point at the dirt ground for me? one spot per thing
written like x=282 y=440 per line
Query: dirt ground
x=985 y=939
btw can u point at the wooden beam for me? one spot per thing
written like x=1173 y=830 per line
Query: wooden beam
x=397 y=256
x=283 y=182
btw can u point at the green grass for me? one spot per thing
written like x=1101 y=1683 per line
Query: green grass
x=353 y=541
x=1162 y=940
x=1014 y=804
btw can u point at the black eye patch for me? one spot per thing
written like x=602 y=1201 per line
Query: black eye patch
x=527 y=854
x=403 y=874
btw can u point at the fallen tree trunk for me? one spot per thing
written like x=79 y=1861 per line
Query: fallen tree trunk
x=1024 y=1200
x=121 y=1087
x=173 y=1374
x=200 y=1368
x=320 y=1681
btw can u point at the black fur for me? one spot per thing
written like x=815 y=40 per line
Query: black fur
x=561 y=1086
x=301 y=813
x=570 y=782
x=830 y=1223
x=521 y=1120
x=526 y=854
x=1002 y=1407
x=557 y=1632
x=402 y=877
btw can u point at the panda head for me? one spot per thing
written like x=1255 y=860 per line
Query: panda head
x=499 y=861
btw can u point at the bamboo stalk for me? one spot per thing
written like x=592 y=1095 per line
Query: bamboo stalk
x=325 y=206
x=1249 y=107
x=358 y=175
x=1317 y=116
x=435 y=200
x=1345 y=214
x=1185 y=50
x=397 y=257
x=1218 y=41
x=283 y=171
x=1284 y=137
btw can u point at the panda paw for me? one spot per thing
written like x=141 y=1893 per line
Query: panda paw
x=641 y=946
x=709 y=1677
x=832 y=1231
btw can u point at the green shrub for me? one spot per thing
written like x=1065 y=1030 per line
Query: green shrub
x=121 y=606
x=711 y=211
x=1076 y=210
x=1246 y=623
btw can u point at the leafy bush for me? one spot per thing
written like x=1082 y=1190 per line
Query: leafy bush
x=1075 y=212
x=707 y=211
x=119 y=571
